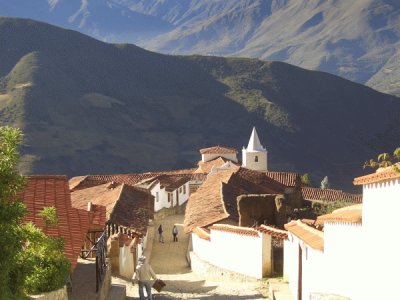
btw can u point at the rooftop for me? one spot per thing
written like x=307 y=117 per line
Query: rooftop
x=329 y=195
x=73 y=223
x=311 y=236
x=381 y=174
x=349 y=214
x=218 y=150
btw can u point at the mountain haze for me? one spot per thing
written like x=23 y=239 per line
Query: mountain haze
x=358 y=40
x=90 y=107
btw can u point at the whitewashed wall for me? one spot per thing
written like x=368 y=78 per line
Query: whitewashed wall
x=208 y=157
x=291 y=263
x=248 y=160
x=161 y=201
x=126 y=264
x=381 y=211
x=248 y=255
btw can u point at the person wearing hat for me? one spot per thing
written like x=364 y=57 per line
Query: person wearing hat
x=144 y=274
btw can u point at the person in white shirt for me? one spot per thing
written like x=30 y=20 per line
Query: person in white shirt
x=144 y=275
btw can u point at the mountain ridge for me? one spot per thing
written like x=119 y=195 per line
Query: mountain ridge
x=89 y=107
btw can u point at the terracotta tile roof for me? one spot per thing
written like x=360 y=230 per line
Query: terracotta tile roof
x=171 y=182
x=350 y=214
x=311 y=236
x=205 y=167
x=316 y=194
x=235 y=229
x=289 y=179
x=73 y=223
x=381 y=174
x=216 y=199
x=127 y=206
x=218 y=150
x=202 y=233
x=132 y=179
x=272 y=231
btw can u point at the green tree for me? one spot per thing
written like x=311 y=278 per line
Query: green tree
x=306 y=179
x=385 y=160
x=30 y=261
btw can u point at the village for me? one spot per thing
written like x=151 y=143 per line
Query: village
x=243 y=232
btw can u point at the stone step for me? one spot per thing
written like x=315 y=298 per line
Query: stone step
x=117 y=292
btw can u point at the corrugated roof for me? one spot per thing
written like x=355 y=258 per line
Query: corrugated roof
x=311 y=236
x=329 y=195
x=218 y=150
x=73 y=223
x=381 y=174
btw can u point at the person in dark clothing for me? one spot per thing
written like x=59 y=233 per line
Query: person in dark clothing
x=160 y=234
x=175 y=233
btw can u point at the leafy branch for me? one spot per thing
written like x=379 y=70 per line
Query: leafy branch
x=385 y=160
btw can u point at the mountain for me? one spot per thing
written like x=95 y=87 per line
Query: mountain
x=358 y=40
x=89 y=107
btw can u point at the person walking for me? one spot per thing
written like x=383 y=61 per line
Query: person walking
x=143 y=275
x=160 y=234
x=175 y=233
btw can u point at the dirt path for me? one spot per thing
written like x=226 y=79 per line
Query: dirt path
x=169 y=262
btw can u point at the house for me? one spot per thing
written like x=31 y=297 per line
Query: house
x=355 y=254
x=73 y=223
x=168 y=190
x=128 y=211
x=208 y=154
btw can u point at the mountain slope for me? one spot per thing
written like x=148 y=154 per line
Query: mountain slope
x=90 y=107
x=359 y=40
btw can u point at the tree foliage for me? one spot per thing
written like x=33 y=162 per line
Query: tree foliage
x=385 y=160
x=30 y=261
x=306 y=179
x=325 y=183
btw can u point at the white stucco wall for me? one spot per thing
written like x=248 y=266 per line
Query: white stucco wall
x=126 y=264
x=161 y=201
x=208 y=157
x=239 y=253
x=381 y=207
x=248 y=160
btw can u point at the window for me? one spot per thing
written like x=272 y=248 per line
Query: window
x=184 y=189
x=256 y=158
x=180 y=190
x=157 y=197
x=170 y=197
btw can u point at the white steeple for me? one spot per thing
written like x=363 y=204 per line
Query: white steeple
x=254 y=142
x=255 y=156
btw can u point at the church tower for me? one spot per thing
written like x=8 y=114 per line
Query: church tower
x=255 y=156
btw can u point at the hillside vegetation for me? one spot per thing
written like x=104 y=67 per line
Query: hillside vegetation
x=90 y=107
x=358 y=39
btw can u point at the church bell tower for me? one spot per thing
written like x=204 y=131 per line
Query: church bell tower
x=254 y=157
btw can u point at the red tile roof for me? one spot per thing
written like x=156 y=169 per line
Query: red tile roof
x=202 y=233
x=131 y=207
x=235 y=229
x=218 y=150
x=169 y=182
x=289 y=179
x=216 y=199
x=132 y=179
x=316 y=194
x=349 y=214
x=311 y=236
x=205 y=167
x=73 y=223
x=381 y=174
x=272 y=231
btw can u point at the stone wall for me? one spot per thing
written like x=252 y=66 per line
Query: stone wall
x=105 y=286
x=60 y=294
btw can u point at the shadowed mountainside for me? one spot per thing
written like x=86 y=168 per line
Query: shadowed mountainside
x=89 y=107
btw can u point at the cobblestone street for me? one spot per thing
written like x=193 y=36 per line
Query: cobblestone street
x=169 y=262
